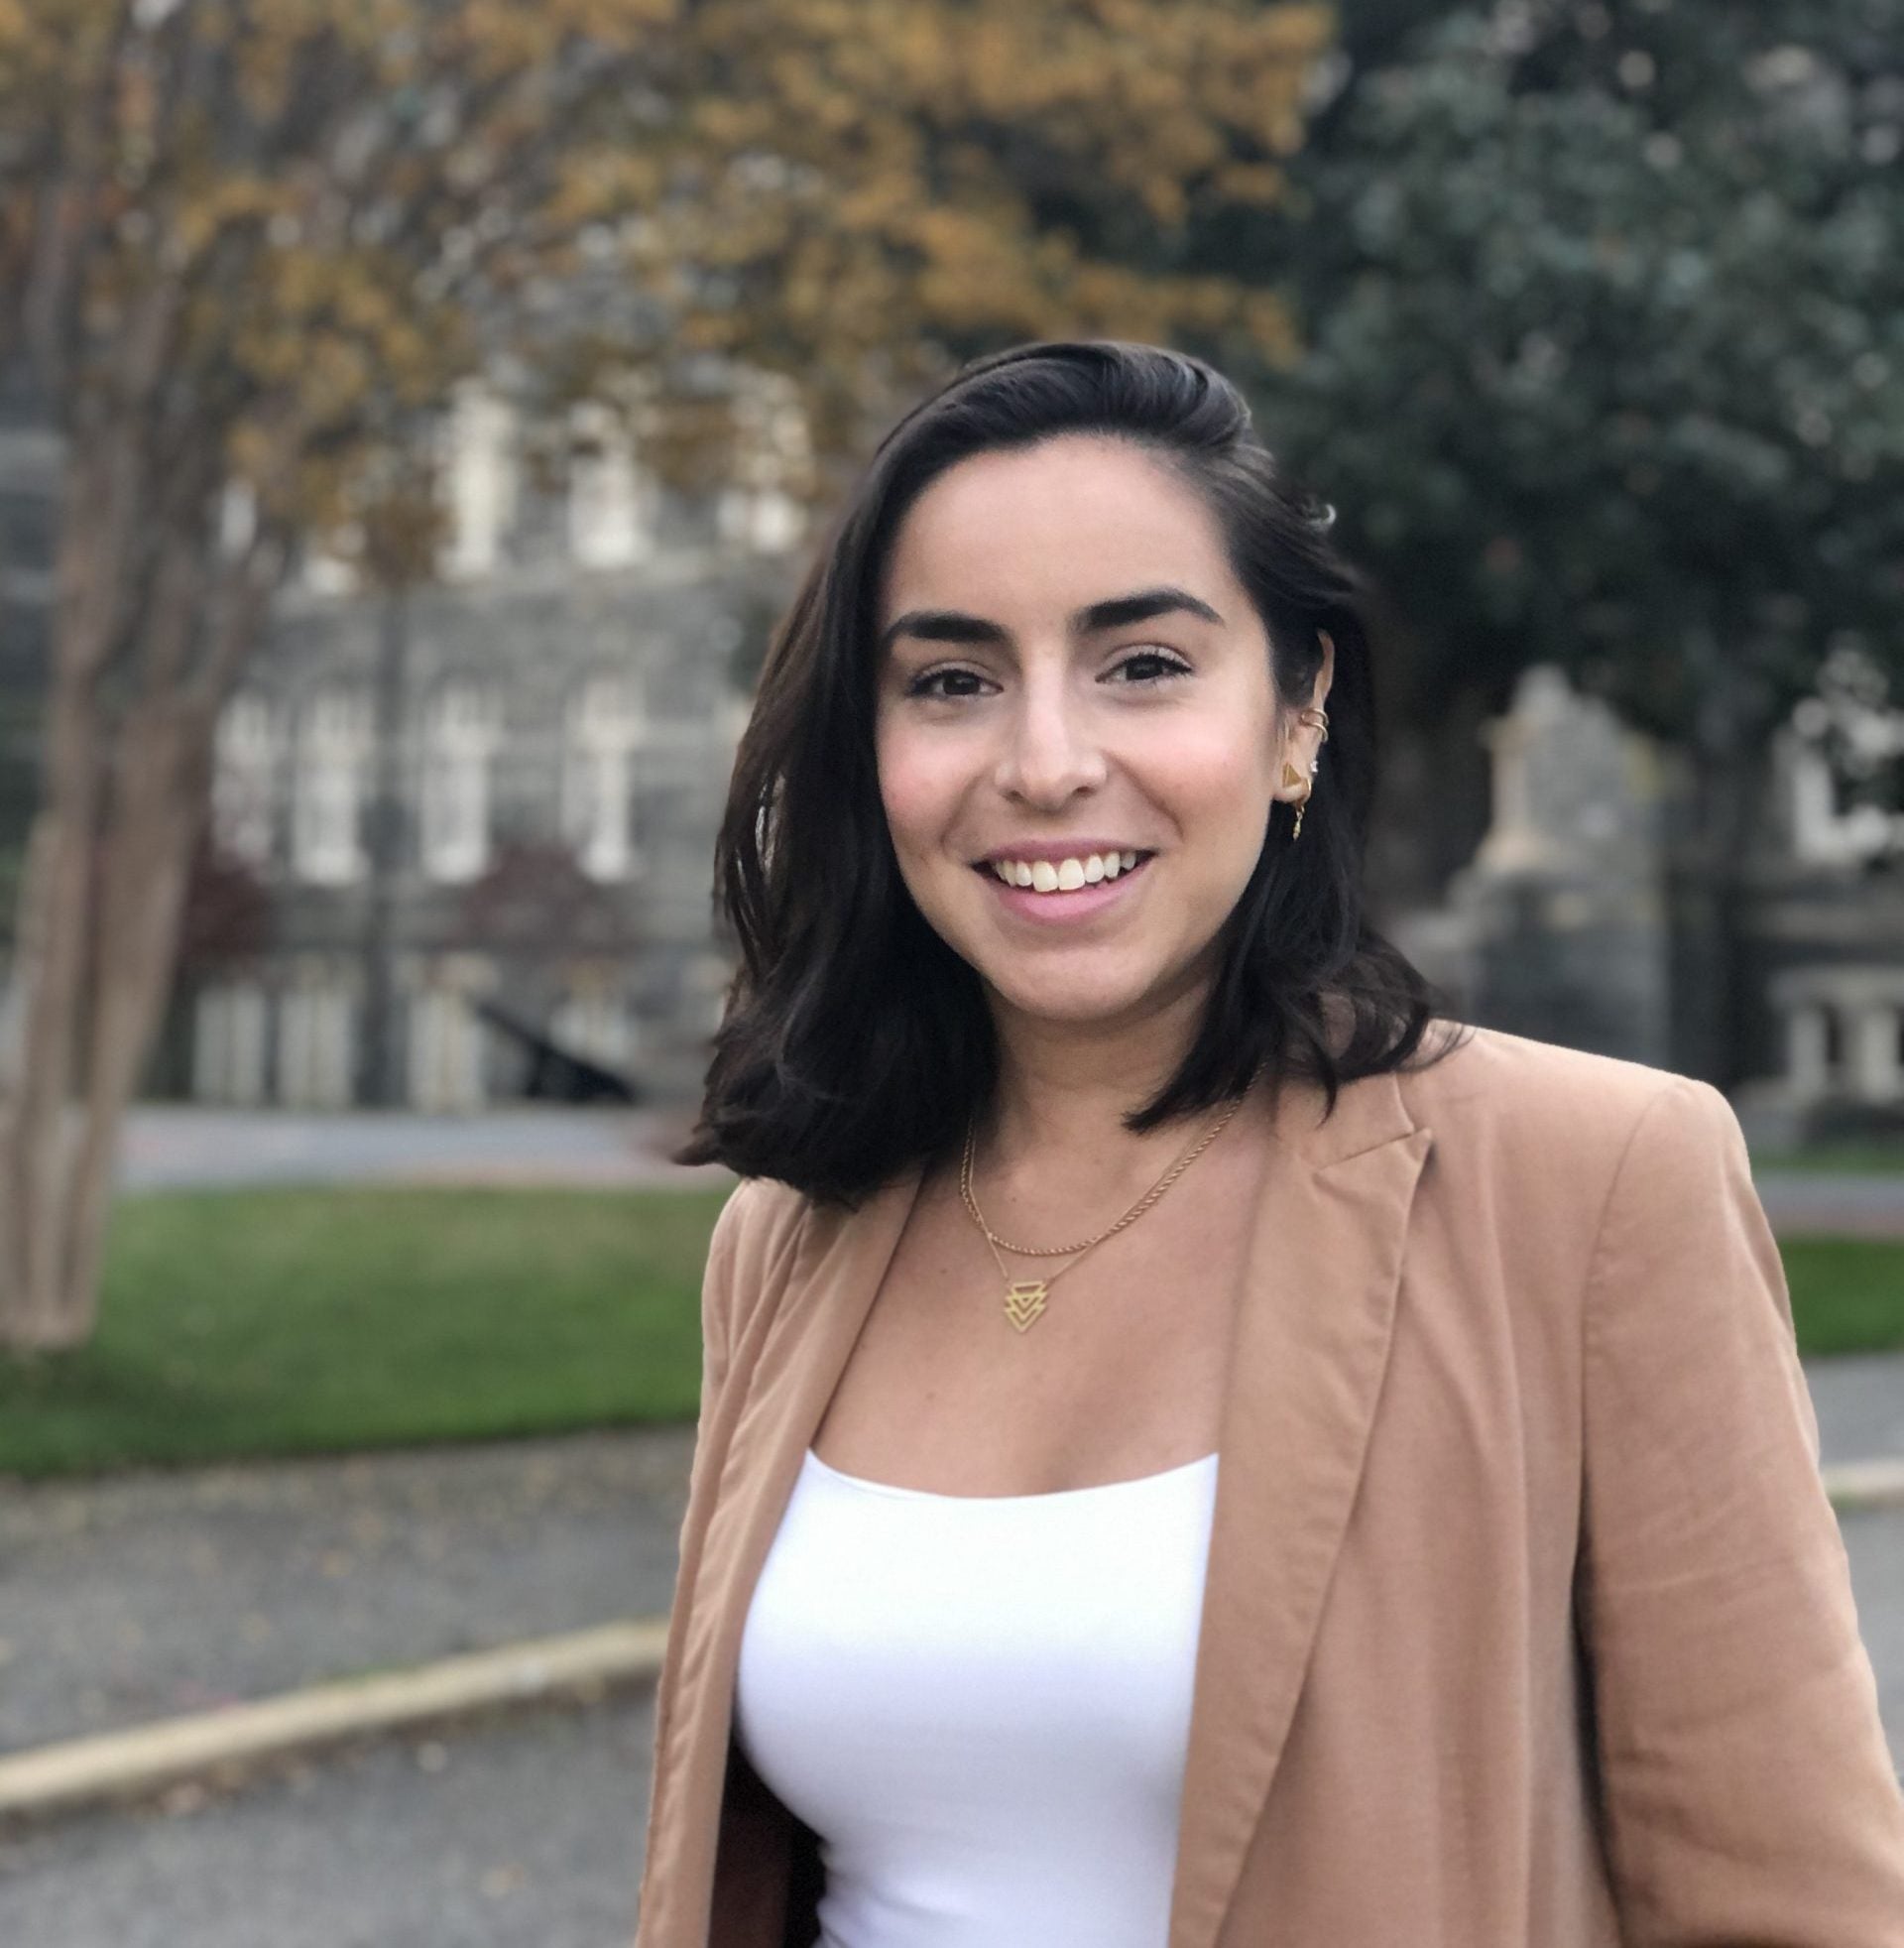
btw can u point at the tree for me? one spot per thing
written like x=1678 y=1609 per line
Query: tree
x=246 y=245
x=868 y=194
x=1605 y=364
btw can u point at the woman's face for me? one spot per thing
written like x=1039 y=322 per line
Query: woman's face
x=1070 y=674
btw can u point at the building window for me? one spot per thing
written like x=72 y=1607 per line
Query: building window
x=333 y=754
x=460 y=734
x=446 y=1039
x=761 y=507
x=228 y=1044
x=245 y=769
x=1875 y=1055
x=604 y=732
x=316 y=1045
x=610 y=501
x=478 y=481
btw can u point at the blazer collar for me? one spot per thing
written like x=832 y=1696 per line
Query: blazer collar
x=1311 y=1342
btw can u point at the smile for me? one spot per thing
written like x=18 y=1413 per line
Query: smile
x=1065 y=890
x=1064 y=874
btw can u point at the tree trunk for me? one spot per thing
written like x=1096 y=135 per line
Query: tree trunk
x=165 y=752
x=123 y=799
x=39 y=1124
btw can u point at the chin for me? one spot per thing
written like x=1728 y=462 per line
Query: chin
x=1078 y=1003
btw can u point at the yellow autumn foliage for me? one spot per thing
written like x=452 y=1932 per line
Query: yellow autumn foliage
x=317 y=211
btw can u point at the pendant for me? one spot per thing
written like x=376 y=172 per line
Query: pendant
x=1024 y=1303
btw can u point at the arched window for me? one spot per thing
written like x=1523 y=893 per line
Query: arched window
x=333 y=754
x=604 y=733
x=244 y=780
x=461 y=729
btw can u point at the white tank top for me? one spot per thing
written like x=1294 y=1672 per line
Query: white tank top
x=981 y=1704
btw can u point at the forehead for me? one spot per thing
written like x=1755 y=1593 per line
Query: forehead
x=1053 y=526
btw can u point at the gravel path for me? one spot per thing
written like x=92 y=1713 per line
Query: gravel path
x=162 y=1592
x=521 y=1833
x=167 y=1147
x=1874 y=1541
x=1860 y=1406
x=1841 y=1203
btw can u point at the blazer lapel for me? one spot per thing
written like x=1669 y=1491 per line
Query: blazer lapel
x=1314 y=1322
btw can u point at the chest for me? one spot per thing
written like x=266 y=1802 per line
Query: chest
x=1118 y=1373
x=1012 y=1688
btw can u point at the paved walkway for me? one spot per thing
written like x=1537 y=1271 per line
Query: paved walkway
x=1844 y=1203
x=1860 y=1406
x=167 y=1147
x=158 y=1593
x=524 y=1833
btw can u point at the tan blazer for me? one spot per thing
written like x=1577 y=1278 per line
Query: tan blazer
x=1527 y=1622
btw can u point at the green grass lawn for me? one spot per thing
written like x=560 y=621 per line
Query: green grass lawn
x=1847 y=1294
x=300 y=1321
x=1871 y=1158
x=304 y=1320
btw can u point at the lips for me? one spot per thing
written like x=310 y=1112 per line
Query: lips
x=1061 y=902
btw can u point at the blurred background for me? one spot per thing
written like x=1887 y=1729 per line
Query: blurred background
x=414 y=417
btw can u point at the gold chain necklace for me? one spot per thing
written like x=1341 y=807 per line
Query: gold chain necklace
x=1025 y=1299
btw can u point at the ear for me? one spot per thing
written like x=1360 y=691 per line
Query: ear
x=1325 y=674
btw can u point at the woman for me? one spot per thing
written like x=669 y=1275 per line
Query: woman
x=1194 y=1448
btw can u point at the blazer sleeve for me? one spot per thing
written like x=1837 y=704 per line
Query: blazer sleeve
x=1747 y=1791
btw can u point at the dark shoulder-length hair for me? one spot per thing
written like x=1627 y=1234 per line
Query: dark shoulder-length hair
x=855 y=1042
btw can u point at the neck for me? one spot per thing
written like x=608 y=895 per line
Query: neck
x=1065 y=1089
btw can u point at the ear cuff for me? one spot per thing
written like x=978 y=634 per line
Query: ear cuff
x=1315 y=717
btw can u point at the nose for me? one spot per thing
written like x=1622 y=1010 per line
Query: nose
x=1050 y=754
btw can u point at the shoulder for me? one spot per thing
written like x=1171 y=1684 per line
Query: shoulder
x=1509 y=1104
x=758 y=1226
x=754 y=1239
x=1535 y=1088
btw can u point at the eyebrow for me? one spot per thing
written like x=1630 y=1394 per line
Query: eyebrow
x=1094 y=619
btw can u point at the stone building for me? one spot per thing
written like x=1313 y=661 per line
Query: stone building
x=459 y=846
x=1569 y=922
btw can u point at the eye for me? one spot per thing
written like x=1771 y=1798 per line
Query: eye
x=1151 y=667
x=948 y=681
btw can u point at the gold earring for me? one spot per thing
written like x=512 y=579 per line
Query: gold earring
x=1301 y=806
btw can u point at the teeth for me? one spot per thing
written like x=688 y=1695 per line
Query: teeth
x=1064 y=874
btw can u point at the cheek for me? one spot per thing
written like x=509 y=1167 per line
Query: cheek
x=1215 y=776
x=919 y=788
